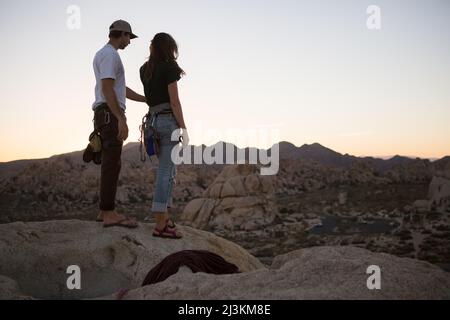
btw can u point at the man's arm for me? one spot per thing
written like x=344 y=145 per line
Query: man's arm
x=113 y=104
x=135 y=96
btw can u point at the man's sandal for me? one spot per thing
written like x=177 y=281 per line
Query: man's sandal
x=125 y=222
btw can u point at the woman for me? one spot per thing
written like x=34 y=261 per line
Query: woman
x=159 y=76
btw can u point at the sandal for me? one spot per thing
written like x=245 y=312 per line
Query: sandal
x=125 y=222
x=171 y=224
x=167 y=232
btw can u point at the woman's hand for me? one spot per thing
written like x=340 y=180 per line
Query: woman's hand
x=185 y=137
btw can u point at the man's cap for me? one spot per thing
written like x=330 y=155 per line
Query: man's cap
x=122 y=25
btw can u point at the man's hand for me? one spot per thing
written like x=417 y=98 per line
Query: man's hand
x=123 y=129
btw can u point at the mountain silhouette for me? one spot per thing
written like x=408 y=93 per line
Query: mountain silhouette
x=314 y=152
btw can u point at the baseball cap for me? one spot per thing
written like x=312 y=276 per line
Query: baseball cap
x=122 y=25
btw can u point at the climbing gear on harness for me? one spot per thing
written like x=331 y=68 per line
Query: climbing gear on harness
x=150 y=140
x=95 y=142
x=93 y=151
x=149 y=137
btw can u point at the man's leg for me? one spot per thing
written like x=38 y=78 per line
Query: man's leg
x=110 y=170
x=111 y=166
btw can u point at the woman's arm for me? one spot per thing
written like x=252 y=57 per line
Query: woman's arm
x=176 y=104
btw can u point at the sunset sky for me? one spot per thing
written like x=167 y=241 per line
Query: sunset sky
x=310 y=69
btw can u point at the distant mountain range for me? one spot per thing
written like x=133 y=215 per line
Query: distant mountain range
x=315 y=152
x=326 y=156
x=64 y=184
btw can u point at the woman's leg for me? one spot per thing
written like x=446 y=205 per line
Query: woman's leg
x=171 y=185
x=166 y=172
x=162 y=186
x=172 y=180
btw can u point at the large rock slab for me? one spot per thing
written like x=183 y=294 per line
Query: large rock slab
x=34 y=256
x=313 y=273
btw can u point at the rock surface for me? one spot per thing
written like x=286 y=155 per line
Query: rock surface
x=35 y=256
x=313 y=273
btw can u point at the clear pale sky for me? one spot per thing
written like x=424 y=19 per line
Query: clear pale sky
x=311 y=69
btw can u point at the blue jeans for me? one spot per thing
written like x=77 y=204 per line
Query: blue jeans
x=165 y=124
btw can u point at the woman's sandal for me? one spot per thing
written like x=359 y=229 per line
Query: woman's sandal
x=170 y=223
x=167 y=232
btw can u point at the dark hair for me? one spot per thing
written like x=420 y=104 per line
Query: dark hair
x=163 y=49
x=116 y=34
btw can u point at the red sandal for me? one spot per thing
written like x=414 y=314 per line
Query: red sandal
x=167 y=232
x=170 y=223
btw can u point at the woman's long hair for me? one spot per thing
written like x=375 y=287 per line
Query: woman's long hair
x=163 y=49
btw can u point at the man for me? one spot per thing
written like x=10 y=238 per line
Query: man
x=109 y=107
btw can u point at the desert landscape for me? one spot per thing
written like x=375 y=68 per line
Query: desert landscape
x=323 y=211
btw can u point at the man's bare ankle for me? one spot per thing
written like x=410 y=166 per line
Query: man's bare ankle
x=110 y=214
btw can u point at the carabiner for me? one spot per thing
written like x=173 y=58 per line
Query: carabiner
x=107 y=117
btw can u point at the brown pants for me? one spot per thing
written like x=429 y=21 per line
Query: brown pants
x=107 y=124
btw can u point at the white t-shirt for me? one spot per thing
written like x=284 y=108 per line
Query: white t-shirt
x=108 y=65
